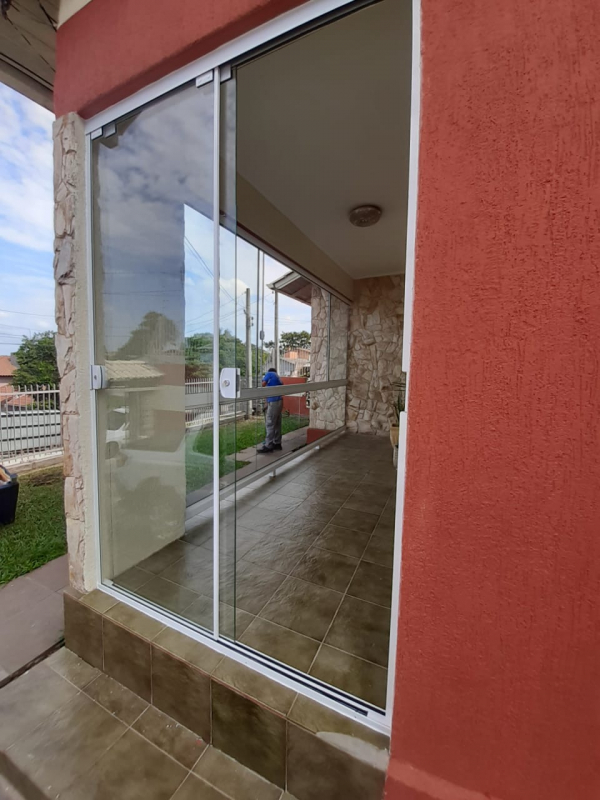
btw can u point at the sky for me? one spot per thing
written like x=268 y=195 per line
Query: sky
x=26 y=233
x=26 y=209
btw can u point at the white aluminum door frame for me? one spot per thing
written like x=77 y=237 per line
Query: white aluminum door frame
x=269 y=31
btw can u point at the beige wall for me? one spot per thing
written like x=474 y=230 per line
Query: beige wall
x=264 y=220
x=67 y=8
x=374 y=353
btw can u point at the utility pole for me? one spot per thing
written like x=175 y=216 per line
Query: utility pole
x=277 y=331
x=248 y=351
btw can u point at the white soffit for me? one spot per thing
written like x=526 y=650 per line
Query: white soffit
x=323 y=126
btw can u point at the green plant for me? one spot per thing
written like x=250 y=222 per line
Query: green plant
x=399 y=403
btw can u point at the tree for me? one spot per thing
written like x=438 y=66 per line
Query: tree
x=232 y=353
x=294 y=340
x=36 y=359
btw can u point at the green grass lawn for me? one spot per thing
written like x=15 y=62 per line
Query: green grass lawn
x=38 y=533
x=233 y=438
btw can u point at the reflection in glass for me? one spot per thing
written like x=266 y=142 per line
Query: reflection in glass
x=152 y=261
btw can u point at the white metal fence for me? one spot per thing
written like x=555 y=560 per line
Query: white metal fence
x=29 y=423
x=30 y=418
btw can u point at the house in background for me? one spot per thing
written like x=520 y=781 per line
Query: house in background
x=427 y=170
x=7 y=369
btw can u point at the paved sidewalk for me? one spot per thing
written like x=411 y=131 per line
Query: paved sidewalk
x=31 y=615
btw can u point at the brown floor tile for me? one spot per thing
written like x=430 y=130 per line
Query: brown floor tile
x=372 y=583
x=300 y=529
x=296 y=490
x=315 y=511
x=74 y=669
x=385 y=528
x=160 y=560
x=132 y=769
x=280 y=503
x=280 y=555
x=253 y=684
x=20 y=594
x=83 y=631
x=167 y=594
x=121 y=702
x=29 y=700
x=250 y=587
x=343 y=540
x=280 y=643
x=326 y=568
x=67 y=744
x=194 y=788
x=233 y=779
x=201 y=612
x=188 y=649
x=194 y=571
x=341 y=777
x=380 y=550
x=135 y=621
x=261 y=519
x=182 y=692
x=127 y=658
x=98 y=600
x=54 y=575
x=25 y=636
x=351 y=674
x=319 y=719
x=362 y=629
x=133 y=578
x=363 y=501
x=303 y=607
x=249 y=733
x=355 y=520
x=180 y=743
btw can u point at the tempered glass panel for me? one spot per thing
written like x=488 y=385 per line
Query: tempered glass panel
x=152 y=266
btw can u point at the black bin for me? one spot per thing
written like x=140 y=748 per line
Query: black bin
x=9 y=493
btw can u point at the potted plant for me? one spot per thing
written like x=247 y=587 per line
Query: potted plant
x=397 y=408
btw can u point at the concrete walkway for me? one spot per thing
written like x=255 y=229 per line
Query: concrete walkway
x=31 y=616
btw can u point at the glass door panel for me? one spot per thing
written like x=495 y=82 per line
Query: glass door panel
x=152 y=184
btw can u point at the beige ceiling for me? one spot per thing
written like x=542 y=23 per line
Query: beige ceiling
x=27 y=48
x=323 y=126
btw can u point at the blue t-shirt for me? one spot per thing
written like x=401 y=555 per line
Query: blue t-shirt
x=272 y=379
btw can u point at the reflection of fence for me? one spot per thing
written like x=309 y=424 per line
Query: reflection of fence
x=200 y=416
x=29 y=422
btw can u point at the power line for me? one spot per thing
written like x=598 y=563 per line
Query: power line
x=26 y=313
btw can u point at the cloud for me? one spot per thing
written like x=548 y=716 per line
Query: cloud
x=26 y=191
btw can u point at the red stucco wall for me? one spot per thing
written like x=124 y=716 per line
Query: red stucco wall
x=112 y=48
x=498 y=682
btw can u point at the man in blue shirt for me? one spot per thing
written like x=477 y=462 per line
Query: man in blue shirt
x=273 y=415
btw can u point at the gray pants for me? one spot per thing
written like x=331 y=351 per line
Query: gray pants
x=273 y=423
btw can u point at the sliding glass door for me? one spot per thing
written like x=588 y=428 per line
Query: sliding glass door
x=220 y=366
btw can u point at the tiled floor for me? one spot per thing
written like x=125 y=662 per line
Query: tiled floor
x=306 y=570
x=77 y=734
x=31 y=615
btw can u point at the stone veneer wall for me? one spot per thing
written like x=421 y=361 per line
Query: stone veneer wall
x=327 y=410
x=374 y=353
x=72 y=345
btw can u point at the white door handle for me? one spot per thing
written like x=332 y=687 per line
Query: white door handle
x=229 y=382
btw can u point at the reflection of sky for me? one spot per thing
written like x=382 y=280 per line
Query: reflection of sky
x=239 y=271
x=153 y=229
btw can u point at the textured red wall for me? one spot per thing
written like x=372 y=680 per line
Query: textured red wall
x=498 y=681
x=112 y=48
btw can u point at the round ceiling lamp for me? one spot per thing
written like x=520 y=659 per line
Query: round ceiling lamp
x=365 y=216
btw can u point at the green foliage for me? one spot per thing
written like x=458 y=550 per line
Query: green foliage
x=36 y=359
x=38 y=533
x=232 y=353
x=155 y=334
x=294 y=340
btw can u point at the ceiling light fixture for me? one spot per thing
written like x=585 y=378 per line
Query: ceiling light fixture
x=365 y=216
